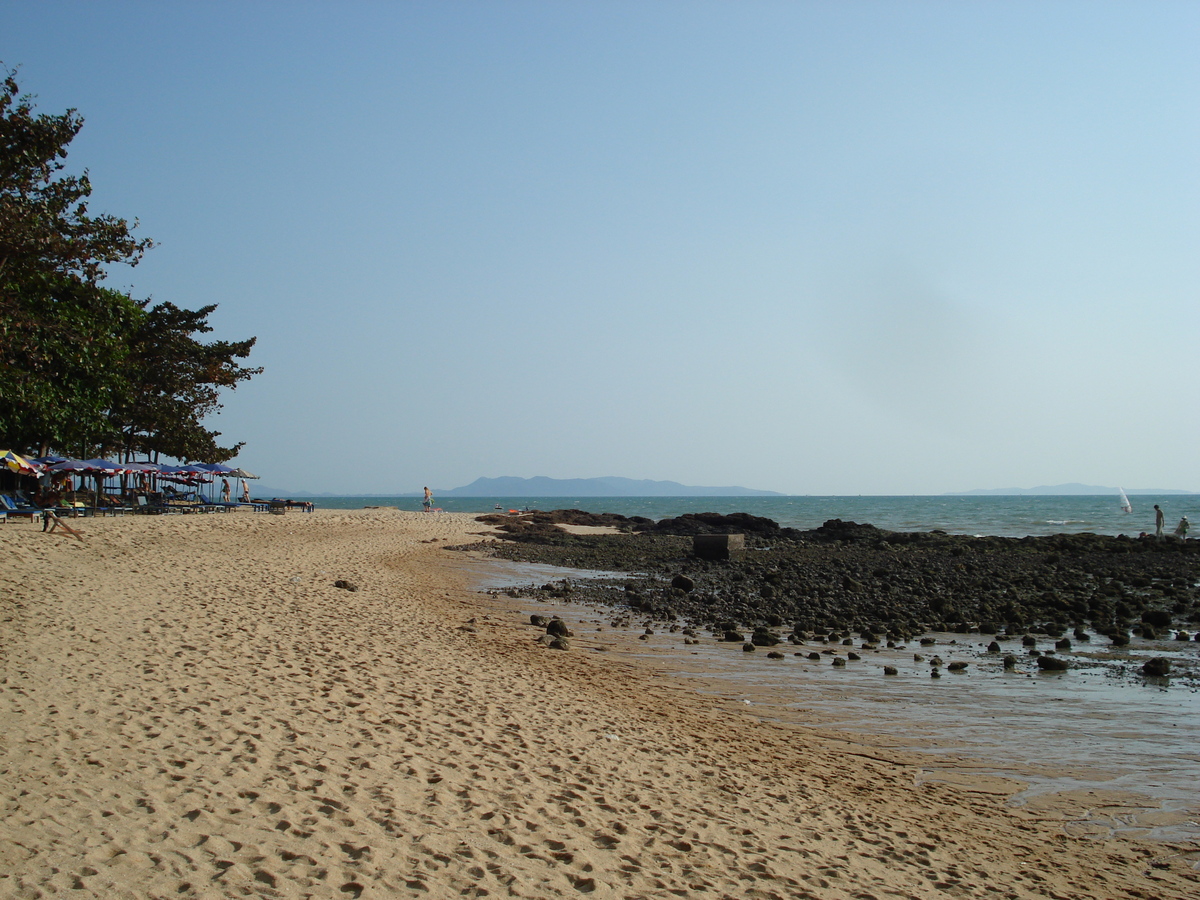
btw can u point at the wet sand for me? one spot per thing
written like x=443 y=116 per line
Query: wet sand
x=190 y=707
x=1109 y=749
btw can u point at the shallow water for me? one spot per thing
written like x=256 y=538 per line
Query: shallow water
x=1100 y=727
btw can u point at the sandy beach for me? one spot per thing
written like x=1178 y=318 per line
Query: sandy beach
x=191 y=708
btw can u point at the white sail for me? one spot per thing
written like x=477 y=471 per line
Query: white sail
x=1126 y=506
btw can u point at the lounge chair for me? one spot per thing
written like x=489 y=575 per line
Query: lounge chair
x=284 y=505
x=12 y=508
x=144 y=504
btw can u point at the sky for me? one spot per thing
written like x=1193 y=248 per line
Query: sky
x=809 y=247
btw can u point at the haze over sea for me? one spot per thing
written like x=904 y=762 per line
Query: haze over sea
x=1008 y=516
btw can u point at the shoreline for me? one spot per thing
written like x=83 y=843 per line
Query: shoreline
x=190 y=708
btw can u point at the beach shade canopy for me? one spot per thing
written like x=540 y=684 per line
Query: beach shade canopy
x=143 y=469
x=242 y=473
x=184 y=474
x=215 y=468
x=47 y=461
x=19 y=464
x=69 y=465
x=103 y=467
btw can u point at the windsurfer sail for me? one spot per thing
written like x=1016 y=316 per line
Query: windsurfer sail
x=1126 y=506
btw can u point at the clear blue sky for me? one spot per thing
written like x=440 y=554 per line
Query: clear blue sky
x=818 y=248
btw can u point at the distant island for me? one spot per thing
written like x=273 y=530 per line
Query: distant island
x=1059 y=490
x=610 y=486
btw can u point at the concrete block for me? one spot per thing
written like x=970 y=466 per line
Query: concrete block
x=718 y=546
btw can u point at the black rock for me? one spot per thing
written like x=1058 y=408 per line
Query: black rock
x=683 y=583
x=345 y=585
x=1158 y=666
x=1052 y=664
x=557 y=628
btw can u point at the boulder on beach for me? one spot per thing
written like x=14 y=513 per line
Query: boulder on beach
x=1052 y=664
x=1158 y=666
x=683 y=583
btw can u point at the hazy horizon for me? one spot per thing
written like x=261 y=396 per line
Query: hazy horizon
x=816 y=248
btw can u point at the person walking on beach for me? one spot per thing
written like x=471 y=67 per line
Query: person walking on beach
x=428 y=501
x=224 y=490
x=1159 y=521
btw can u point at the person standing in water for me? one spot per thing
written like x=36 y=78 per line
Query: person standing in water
x=1159 y=521
x=428 y=501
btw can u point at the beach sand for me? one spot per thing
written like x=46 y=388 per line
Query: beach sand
x=190 y=708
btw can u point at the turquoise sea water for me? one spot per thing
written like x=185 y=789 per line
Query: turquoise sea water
x=1016 y=516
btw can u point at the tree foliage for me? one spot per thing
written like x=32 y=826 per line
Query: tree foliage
x=175 y=383
x=85 y=369
x=45 y=228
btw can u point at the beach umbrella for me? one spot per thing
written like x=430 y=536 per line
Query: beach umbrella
x=102 y=467
x=215 y=468
x=19 y=464
x=245 y=476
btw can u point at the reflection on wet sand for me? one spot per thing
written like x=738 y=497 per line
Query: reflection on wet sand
x=1108 y=748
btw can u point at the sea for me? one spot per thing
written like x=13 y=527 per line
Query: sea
x=1008 y=516
x=1103 y=748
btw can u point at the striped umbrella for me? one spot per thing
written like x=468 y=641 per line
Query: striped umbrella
x=18 y=463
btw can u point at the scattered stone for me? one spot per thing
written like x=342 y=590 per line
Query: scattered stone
x=993 y=647
x=345 y=585
x=1158 y=666
x=890 y=670
x=539 y=621
x=557 y=628
x=1052 y=664
x=956 y=666
x=747 y=647
x=774 y=654
x=683 y=583
x=1010 y=661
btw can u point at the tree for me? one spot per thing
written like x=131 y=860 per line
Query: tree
x=175 y=382
x=83 y=368
x=45 y=229
x=64 y=349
